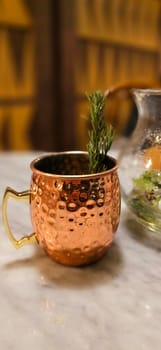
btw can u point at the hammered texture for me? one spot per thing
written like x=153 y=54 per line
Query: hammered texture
x=75 y=219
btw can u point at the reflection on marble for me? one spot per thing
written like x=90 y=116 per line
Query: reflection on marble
x=113 y=304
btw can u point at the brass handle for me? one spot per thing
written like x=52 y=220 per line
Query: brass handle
x=10 y=193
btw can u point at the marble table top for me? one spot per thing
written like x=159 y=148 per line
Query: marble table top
x=114 y=304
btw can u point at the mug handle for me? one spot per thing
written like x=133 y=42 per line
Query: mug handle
x=19 y=196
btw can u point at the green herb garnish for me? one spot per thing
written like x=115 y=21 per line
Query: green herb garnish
x=145 y=198
x=100 y=137
x=148 y=181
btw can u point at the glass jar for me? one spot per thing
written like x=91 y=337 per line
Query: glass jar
x=140 y=161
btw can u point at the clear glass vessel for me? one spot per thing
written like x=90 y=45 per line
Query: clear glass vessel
x=140 y=161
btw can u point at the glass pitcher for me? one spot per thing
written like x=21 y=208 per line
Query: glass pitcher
x=140 y=161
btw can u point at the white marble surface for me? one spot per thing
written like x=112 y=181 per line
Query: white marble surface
x=114 y=304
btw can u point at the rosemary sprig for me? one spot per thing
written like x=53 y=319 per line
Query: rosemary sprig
x=100 y=137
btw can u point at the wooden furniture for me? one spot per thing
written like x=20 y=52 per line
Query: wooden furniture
x=117 y=42
x=17 y=75
x=54 y=52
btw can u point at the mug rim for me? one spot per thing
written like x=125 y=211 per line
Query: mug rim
x=83 y=176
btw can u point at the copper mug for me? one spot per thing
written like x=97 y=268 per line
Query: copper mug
x=74 y=214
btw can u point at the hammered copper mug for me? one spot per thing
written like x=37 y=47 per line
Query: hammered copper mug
x=74 y=213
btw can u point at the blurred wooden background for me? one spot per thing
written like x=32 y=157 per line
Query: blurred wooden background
x=118 y=43
x=17 y=75
x=54 y=52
